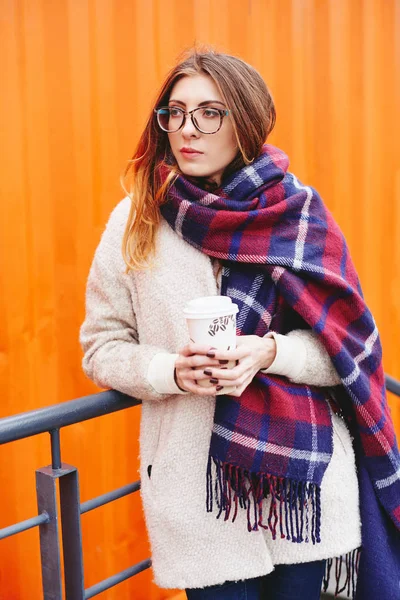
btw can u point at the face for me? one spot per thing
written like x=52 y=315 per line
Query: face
x=214 y=151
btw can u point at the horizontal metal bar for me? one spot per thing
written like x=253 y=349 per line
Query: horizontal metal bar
x=55 y=416
x=23 y=425
x=24 y=525
x=110 y=496
x=106 y=584
x=392 y=385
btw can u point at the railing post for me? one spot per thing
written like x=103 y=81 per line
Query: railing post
x=49 y=536
x=71 y=534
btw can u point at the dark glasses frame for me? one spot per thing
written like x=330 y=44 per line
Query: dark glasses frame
x=223 y=112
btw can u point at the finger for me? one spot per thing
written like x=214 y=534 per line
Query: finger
x=237 y=354
x=233 y=368
x=198 y=390
x=233 y=376
x=196 y=361
x=194 y=374
x=193 y=348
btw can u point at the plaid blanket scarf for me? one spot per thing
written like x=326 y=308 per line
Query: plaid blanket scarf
x=286 y=264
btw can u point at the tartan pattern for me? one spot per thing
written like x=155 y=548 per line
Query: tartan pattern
x=286 y=264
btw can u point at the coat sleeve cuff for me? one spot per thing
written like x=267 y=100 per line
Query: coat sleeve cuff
x=160 y=374
x=291 y=356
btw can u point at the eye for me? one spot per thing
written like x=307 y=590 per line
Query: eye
x=175 y=112
x=210 y=113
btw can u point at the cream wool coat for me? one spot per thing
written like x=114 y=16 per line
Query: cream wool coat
x=132 y=331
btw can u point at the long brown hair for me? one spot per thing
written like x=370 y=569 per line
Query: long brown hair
x=252 y=112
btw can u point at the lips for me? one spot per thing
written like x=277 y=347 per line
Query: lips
x=190 y=151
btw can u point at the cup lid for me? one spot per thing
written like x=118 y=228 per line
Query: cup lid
x=209 y=306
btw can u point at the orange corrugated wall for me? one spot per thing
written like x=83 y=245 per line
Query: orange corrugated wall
x=77 y=79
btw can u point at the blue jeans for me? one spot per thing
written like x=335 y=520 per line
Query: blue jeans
x=287 y=582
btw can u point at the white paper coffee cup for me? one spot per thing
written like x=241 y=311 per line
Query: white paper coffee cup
x=212 y=320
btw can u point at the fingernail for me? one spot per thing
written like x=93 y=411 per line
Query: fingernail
x=213 y=380
x=223 y=362
x=210 y=354
x=208 y=372
x=219 y=388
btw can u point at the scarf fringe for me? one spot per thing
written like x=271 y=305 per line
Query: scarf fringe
x=295 y=506
x=345 y=573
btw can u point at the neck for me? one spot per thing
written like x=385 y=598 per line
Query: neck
x=210 y=185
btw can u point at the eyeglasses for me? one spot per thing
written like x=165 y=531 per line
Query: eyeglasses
x=205 y=119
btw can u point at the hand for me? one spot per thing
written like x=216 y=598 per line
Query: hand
x=190 y=366
x=252 y=353
x=196 y=362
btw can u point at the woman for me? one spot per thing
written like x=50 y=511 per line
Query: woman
x=253 y=494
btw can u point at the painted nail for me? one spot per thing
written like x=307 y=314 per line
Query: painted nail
x=223 y=362
x=213 y=380
x=219 y=388
x=208 y=372
x=210 y=354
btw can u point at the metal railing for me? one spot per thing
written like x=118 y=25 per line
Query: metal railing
x=51 y=419
x=392 y=385
x=69 y=510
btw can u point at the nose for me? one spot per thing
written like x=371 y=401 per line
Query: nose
x=188 y=129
